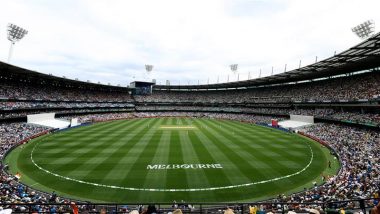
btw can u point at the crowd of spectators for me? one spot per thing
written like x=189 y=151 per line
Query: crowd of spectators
x=25 y=91
x=213 y=109
x=21 y=109
x=227 y=116
x=358 y=151
x=21 y=99
x=20 y=114
x=356 y=87
x=11 y=134
x=42 y=105
x=88 y=118
x=363 y=86
x=369 y=118
x=372 y=118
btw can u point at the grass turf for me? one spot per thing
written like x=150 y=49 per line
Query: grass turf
x=118 y=153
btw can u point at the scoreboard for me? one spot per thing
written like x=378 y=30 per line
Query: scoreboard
x=141 y=88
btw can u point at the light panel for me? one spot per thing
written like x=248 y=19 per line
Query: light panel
x=365 y=30
x=15 y=33
x=234 y=68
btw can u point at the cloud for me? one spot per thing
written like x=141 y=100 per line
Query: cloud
x=187 y=40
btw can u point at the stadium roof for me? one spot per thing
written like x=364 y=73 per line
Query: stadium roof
x=14 y=73
x=363 y=56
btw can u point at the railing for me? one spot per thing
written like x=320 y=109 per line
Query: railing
x=351 y=206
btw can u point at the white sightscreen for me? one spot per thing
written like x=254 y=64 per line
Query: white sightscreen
x=33 y=118
x=302 y=118
x=74 y=122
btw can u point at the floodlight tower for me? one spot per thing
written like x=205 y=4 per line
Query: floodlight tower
x=234 y=68
x=365 y=29
x=15 y=34
x=148 y=69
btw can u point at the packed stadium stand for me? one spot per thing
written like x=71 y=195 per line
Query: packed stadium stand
x=348 y=88
x=342 y=93
x=24 y=92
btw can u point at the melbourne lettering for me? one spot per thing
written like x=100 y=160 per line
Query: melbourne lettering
x=184 y=166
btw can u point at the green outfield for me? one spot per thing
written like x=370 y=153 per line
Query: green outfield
x=166 y=159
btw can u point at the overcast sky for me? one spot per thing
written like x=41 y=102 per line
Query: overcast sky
x=186 y=40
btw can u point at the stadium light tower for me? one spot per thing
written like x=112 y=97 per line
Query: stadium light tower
x=148 y=69
x=365 y=29
x=15 y=34
x=234 y=68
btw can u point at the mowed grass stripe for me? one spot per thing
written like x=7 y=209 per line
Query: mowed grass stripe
x=64 y=185
x=84 y=131
x=176 y=179
x=98 y=126
x=170 y=196
x=274 y=170
x=65 y=139
x=295 y=149
x=78 y=166
x=281 y=164
x=235 y=143
x=71 y=161
x=265 y=166
x=112 y=142
x=196 y=177
x=49 y=147
x=223 y=155
x=207 y=153
x=157 y=178
x=86 y=171
x=144 y=151
x=261 y=130
x=102 y=130
x=256 y=158
x=289 y=168
x=204 y=178
x=246 y=155
x=117 y=165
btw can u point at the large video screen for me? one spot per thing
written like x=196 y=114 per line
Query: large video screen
x=142 y=88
